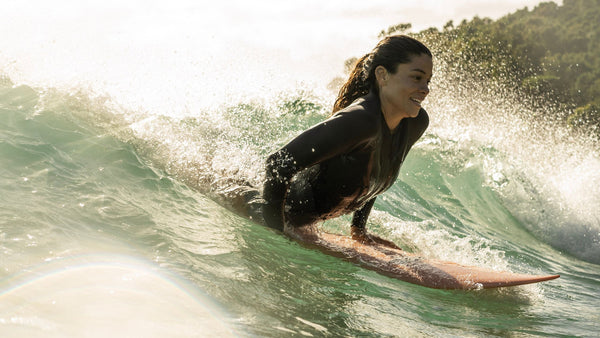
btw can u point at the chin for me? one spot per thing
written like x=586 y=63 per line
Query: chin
x=415 y=113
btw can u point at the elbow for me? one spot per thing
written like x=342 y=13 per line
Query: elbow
x=280 y=167
x=271 y=164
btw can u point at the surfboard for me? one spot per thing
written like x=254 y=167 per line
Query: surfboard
x=415 y=269
x=389 y=261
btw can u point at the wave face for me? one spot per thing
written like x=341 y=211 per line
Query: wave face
x=91 y=188
x=115 y=155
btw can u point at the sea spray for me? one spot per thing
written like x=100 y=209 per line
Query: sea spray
x=546 y=174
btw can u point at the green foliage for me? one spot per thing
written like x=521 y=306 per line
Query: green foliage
x=549 y=52
x=397 y=29
x=586 y=116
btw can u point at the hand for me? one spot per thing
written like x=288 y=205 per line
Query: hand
x=360 y=235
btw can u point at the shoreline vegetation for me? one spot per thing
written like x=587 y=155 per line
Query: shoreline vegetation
x=549 y=55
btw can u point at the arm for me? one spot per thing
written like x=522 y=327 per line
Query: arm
x=359 y=231
x=359 y=220
x=337 y=135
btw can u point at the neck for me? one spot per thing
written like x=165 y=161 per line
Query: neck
x=392 y=120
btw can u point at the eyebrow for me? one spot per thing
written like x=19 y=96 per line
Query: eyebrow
x=421 y=71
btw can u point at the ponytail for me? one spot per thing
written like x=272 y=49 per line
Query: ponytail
x=356 y=86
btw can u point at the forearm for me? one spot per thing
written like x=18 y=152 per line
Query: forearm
x=359 y=220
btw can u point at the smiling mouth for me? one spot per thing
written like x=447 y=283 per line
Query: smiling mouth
x=416 y=101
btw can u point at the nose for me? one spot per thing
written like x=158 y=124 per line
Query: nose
x=425 y=88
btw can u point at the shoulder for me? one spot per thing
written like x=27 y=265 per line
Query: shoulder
x=363 y=117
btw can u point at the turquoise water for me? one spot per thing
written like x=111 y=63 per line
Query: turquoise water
x=108 y=224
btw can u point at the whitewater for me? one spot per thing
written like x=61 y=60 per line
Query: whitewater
x=118 y=127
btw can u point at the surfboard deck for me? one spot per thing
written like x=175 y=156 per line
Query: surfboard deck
x=415 y=269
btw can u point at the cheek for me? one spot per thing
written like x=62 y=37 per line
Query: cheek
x=404 y=91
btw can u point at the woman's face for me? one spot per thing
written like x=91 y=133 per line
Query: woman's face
x=402 y=92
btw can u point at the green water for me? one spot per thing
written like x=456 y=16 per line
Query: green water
x=113 y=200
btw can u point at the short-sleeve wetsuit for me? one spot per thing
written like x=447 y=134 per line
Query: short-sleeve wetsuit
x=338 y=166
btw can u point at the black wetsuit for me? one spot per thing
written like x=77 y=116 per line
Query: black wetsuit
x=338 y=166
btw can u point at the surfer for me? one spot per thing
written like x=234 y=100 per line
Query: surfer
x=340 y=165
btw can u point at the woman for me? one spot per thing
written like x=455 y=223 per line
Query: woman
x=339 y=166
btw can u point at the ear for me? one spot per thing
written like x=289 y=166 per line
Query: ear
x=381 y=74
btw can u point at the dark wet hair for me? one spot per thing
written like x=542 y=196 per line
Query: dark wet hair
x=389 y=52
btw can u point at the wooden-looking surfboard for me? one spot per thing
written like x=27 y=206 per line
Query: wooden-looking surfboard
x=418 y=270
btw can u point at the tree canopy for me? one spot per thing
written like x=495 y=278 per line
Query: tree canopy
x=550 y=51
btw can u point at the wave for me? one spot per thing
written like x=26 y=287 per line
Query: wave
x=545 y=174
x=473 y=175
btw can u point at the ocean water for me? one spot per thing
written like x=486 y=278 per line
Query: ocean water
x=109 y=224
